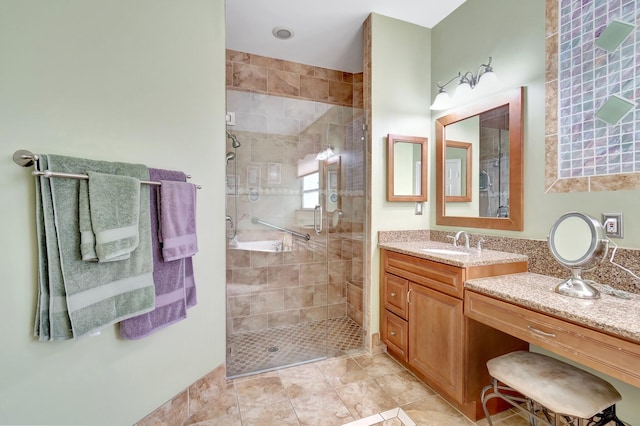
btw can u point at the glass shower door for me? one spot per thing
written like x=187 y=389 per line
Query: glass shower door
x=289 y=250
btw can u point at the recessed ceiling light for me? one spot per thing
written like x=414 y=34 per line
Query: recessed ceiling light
x=282 y=33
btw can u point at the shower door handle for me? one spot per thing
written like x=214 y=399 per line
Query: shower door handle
x=317 y=219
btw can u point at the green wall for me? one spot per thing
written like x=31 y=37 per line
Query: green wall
x=400 y=98
x=123 y=81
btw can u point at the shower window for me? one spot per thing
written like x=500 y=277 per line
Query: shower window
x=310 y=190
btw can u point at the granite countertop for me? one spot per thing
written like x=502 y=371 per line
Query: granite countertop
x=610 y=314
x=470 y=257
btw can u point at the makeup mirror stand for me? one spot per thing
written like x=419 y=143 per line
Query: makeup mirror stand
x=576 y=286
x=578 y=243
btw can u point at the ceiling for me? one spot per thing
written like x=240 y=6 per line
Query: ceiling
x=327 y=33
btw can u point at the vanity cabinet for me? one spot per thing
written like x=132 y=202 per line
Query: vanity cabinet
x=424 y=327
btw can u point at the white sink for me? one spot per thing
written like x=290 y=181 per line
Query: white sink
x=446 y=252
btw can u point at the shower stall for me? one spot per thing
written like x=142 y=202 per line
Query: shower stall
x=295 y=231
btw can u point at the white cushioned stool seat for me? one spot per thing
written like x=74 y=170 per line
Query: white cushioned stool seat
x=560 y=387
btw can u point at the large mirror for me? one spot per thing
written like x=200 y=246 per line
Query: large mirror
x=406 y=168
x=493 y=128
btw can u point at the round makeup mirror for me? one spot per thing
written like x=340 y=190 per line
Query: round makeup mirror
x=578 y=242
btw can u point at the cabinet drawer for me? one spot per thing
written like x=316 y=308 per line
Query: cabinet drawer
x=395 y=334
x=611 y=355
x=438 y=276
x=395 y=294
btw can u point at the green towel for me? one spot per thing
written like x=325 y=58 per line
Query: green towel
x=77 y=298
x=109 y=214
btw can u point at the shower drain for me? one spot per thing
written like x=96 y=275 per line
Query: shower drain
x=273 y=349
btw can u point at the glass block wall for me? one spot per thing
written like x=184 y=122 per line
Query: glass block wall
x=589 y=76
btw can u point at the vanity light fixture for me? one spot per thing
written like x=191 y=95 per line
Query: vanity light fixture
x=466 y=83
x=325 y=154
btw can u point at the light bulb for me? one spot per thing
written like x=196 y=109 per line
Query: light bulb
x=488 y=79
x=463 y=91
x=442 y=101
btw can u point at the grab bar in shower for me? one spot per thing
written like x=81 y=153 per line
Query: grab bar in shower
x=305 y=237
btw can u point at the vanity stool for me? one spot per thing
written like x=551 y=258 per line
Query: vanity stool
x=544 y=384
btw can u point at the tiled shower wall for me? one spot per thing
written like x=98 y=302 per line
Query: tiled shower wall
x=259 y=74
x=285 y=112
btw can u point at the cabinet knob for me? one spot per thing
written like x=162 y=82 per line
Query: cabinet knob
x=393 y=294
x=393 y=333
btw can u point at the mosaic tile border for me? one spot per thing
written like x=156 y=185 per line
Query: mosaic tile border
x=585 y=169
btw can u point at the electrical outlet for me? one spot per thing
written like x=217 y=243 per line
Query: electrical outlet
x=613 y=225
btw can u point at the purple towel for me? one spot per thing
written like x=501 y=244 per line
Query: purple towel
x=174 y=281
x=178 y=220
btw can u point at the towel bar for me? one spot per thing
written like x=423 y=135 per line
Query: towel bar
x=26 y=158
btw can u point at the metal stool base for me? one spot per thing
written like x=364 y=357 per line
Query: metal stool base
x=496 y=390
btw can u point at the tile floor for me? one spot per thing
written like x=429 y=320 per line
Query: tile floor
x=358 y=390
x=273 y=347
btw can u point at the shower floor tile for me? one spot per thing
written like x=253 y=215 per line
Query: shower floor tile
x=252 y=352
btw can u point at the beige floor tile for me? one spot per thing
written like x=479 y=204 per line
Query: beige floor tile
x=304 y=379
x=223 y=404
x=342 y=371
x=261 y=390
x=513 y=420
x=404 y=387
x=391 y=422
x=230 y=420
x=496 y=417
x=324 y=408
x=332 y=393
x=378 y=364
x=275 y=414
x=365 y=398
x=434 y=411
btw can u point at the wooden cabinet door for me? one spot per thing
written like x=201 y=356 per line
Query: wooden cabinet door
x=395 y=333
x=394 y=293
x=436 y=338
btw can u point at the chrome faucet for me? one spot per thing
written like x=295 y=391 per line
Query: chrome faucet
x=462 y=234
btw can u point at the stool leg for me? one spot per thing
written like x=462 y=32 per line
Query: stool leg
x=607 y=415
x=484 y=398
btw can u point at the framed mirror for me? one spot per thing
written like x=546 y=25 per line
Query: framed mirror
x=457 y=170
x=577 y=241
x=494 y=195
x=406 y=168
